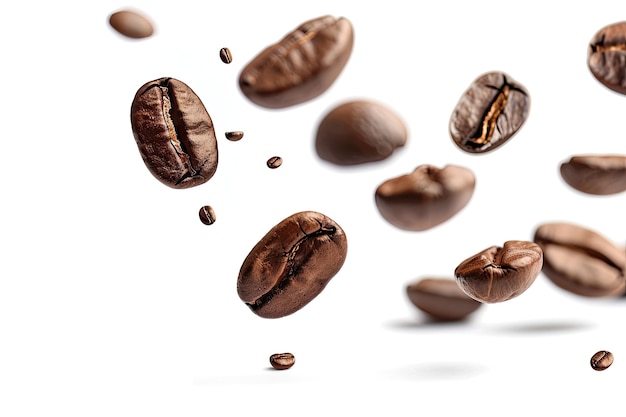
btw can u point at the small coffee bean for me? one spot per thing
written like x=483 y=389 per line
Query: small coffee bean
x=581 y=261
x=282 y=361
x=425 y=198
x=226 y=56
x=207 y=215
x=596 y=174
x=274 y=162
x=441 y=299
x=300 y=67
x=601 y=360
x=291 y=264
x=606 y=56
x=489 y=113
x=234 y=136
x=131 y=24
x=360 y=131
x=174 y=133
x=498 y=274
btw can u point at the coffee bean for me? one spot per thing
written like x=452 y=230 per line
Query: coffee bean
x=601 y=360
x=274 y=162
x=131 y=24
x=425 y=198
x=234 y=136
x=226 y=56
x=207 y=215
x=291 y=264
x=441 y=299
x=282 y=361
x=606 y=56
x=500 y=273
x=360 y=131
x=174 y=133
x=489 y=113
x=596 y=174
x=581 y=260
x=303 y=65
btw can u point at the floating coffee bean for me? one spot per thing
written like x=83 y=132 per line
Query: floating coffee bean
x=596 y=174
x=174 y=133
x=282 y=361
x=131 y=24
x=234 y=136
x=226 y=56
x=441 y=299
x=606 y=56
x=291 y=264
x=207 y=215
x=425 y=198
x=601 y=360
x=357 y=132
x=581 y=260
x=274 y=162
x=489 y=113
x=300 y=67
x=500 y=273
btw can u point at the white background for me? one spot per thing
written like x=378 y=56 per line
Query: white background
x=115 y=300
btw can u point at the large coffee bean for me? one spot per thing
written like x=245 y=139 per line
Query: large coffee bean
x=300 y=67
x=291 y=264
x=174 y=133
x=596 y=174
x=441 y=298
x=606 y=56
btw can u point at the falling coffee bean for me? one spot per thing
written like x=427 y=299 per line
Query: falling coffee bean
x=498 y=274
x=489 y=113
x=606 y=56
x=601 y=360
x=226 y=56
x=596 y=174
x=234 y=136
x=131 y=24
x=274 y=162
x=441 y=299
x=282 y=361
x=207 y=215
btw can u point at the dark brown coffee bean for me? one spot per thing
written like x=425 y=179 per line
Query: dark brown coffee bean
x=300 y=67
x=207 y=215
x=489 y=113
x=274 y=162
x=291 y=264
x=282 y=361
x=226 y=56
x=234 y=136
x=606 y=56
x=174 y=133
x=131 y=24
x=596 y=174
x=425 y=198
x=581 y=260
x=601 y=360
x=500 y=273
x=441 y=299
x=357 y=132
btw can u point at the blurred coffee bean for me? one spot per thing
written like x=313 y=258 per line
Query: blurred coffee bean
x=441 y=299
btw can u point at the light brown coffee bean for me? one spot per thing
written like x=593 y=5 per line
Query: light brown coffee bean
x=601 y=360
x=596 y=174
x=207 y=215
x=234 y=136
x=226 y=56
x=274 y=162
x=131 y=24
x=441 y=299
x=606 y=56
x=282 y=361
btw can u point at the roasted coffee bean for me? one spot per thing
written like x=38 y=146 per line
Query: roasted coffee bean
x=274 y=162
x=291 y=264
x=226 y=56
x=174 y=133
x=601 y=360
x=581 y=260
x=606 y=56
x=131 y=24
x=441 y=299
x=207 y=215
x=489 y=113
x=357 y=132
x=234 y=136
x=282 y=361
x=500 y=273
x=425 y=198
x=596 y=174
x=300 y=67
